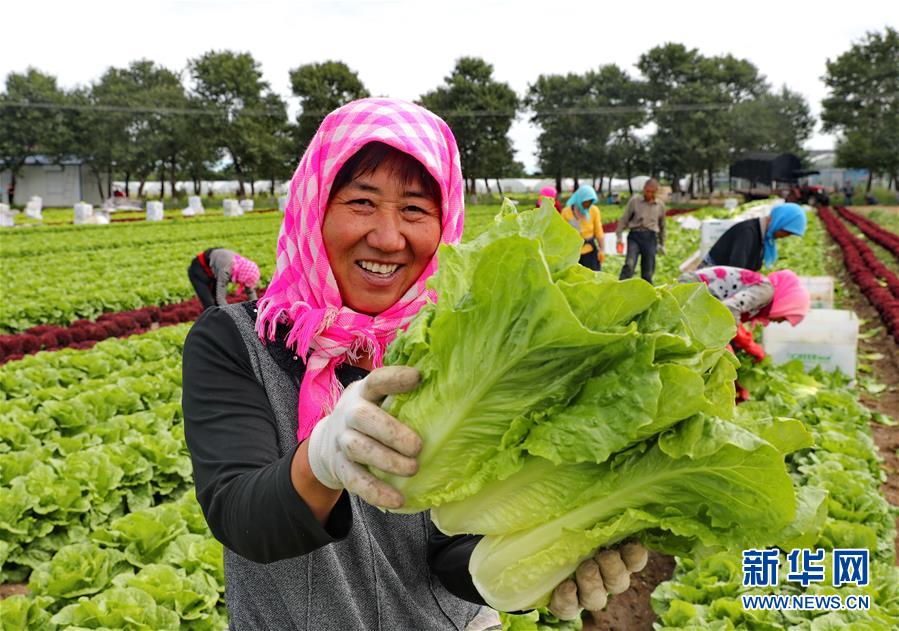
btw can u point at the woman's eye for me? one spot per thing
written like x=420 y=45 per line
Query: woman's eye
x=361 y=202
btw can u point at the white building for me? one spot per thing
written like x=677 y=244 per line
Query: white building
x=58 y=183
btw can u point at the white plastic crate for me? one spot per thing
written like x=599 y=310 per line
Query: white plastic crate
x=194 y=207
x=282 y=203
x=83 y=213
x=610 y=241
x=7 y=216
x=99 y=217
x=232 y=208
x=820 y=289
x=246 y=205
x=826 y=338
x=711 y=231
x=155 y=211
x=34 y=207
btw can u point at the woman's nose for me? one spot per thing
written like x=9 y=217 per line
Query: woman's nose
x=386 y=235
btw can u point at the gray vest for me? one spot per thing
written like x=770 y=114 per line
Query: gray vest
x=376 y=578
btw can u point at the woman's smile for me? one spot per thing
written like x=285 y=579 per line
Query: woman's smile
x=379 y=274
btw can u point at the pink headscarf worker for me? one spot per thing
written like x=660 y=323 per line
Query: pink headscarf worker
x=755 y=298
x=791 y=300
x=304 y=292
x=282 y=397
x=550 y=191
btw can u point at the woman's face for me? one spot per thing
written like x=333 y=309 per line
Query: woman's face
x=586 y=204
x=380 y=235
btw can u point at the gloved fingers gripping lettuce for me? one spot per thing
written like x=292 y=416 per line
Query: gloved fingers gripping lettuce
x=562 y=410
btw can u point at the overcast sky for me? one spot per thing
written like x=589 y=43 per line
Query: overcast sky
x=402 y=48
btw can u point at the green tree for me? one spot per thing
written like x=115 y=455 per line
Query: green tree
x=271 y=153
x=620 y=110
x=555 y=103
x=162 y=129
x=322 y=88
x=775 y=122
x=480 y=111
x=231 y=87
x=863 y=104
x=132 y=122
x=99 y=126
x=202 y=151
x=30 y=119
x=629 y=154
x=691 y=96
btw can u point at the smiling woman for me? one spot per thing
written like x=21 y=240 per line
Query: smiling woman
x=381 y=227
x=282 y=416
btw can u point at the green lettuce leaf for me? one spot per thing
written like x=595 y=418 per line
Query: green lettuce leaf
x=531 y=354
x=708 y=481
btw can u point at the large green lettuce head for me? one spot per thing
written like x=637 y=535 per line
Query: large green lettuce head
x=525 y=351
x=562 y=410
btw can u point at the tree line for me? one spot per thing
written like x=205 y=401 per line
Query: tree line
x=686 y=113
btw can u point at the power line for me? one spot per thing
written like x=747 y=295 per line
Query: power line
x=610 y=110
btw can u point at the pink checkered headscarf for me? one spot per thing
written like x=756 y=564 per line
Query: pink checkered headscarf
x=303 y=292
x=244 y=271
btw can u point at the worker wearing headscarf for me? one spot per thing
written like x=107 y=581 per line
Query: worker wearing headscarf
x=748 y=244
x=754 y=298
x=282 y=396
x=212 y=270
x=551 y=193
x=581 y=213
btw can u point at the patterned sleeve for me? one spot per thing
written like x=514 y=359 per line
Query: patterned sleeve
x=750 y=300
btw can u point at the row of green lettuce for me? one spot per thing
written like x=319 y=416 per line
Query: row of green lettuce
x=43 y=241
x=843 y=465
x=62 y=285
x=844 y=468
x=97 y=513
x=59 y=274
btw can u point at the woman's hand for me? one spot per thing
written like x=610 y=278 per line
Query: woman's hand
x=608 y=572
x=358 y=433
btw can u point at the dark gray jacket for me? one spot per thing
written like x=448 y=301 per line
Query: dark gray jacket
x=376 y=578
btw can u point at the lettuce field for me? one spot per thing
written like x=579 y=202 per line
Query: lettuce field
x=99 y=527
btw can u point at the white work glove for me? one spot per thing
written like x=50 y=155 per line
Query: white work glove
x=662 y=250
x=359 y=433
x=608 y=572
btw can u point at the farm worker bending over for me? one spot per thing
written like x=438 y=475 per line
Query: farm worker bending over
x=550 y=191
x=211 y=270
x=754 y=298
x=281 y=396
x=750 y=243
x=644 y=219
x=582 y=214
